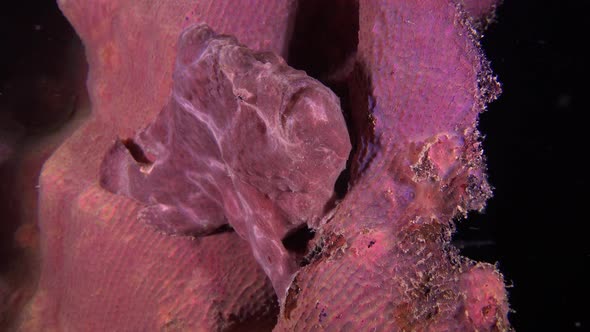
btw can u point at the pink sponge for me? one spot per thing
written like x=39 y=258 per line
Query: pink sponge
x=173 y=206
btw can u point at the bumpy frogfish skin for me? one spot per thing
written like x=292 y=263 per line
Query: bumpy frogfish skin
x=245 y=140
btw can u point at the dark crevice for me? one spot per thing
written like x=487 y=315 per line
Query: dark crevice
x=222 y=229
x=260 y=321
x=136 y=151
x=301 y=243
x=325 y=36
x=358 y=105
x=324 y=44
x=342 y=90
x=362 y=121
x=341 y=185
x=297 y=240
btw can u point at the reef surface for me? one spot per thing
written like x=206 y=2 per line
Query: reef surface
x=216 y=188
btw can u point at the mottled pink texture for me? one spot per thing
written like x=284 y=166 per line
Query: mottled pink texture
x=101 y=269
x=244 y=140
x=380 y=260
x=385 y=262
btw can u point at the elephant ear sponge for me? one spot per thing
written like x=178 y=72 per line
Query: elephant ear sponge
x=385 y=262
